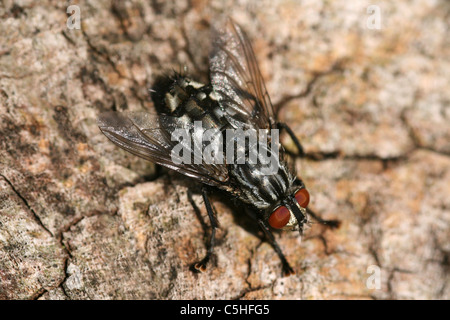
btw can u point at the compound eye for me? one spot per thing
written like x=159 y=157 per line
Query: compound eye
x=279 y=218
x=302 y=197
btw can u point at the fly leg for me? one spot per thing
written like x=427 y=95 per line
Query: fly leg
x=301 y=153
x=201 y=265
x=287 y=270
x=333 y=224
x=282 y=125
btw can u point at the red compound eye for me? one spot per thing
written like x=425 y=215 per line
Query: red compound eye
x=302 y=197
x=279 y=218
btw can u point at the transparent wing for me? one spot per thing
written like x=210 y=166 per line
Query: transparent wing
x=149 y=136
x=237 y=80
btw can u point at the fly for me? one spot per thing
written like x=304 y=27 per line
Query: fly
x=237 y=100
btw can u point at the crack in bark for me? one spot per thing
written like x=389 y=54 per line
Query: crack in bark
x=443 y=260
x=65 y=245
x=66 y=276
x=38 y=294
x=103 y=55
x=391 y=292
x=25 y=202
x=415 y=139
x=59 y=237
x=250 y=288
x=69 y=39
x=336 y=67
x=119 y=11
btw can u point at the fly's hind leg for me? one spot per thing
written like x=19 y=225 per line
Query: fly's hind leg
x=201 y=265
x=287 y=269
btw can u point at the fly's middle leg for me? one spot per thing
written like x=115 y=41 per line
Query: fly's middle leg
x=287 y=269
x=201 y=265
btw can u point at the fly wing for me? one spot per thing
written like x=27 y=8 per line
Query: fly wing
x=237 y=80
x=149 y=136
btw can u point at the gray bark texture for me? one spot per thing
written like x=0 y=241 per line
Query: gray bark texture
x=82 y=219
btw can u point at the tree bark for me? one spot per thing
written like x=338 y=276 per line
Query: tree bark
x=81 y=219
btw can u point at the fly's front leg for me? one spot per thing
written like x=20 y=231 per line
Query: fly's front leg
x=301 y=152
x=333 y=224
x=201 y=265
x=287 y=270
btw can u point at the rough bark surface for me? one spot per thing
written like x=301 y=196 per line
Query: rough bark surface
x=81 y=219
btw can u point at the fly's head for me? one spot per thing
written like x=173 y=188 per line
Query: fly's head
x=290 y=213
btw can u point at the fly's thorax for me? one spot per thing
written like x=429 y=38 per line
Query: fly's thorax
x=258 y=189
